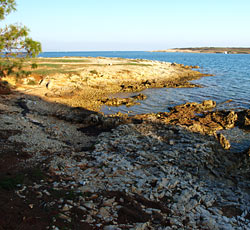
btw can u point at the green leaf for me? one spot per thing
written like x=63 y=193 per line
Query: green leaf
x=15 y=44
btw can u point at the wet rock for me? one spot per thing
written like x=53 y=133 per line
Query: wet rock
x=131 y=101
x=195 y=107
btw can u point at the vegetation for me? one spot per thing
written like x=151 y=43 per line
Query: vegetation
x=229 y=50
x=49 y=65
x=46 y=71
x=219 y=49
x=132 y=63
x=61 y=60
x=15 y=44
x=93 y=72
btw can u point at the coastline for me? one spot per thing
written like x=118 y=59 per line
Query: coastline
x=117 y=172
x=224 y=50
x=91 y=81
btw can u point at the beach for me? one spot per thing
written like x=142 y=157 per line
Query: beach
x=71 y=165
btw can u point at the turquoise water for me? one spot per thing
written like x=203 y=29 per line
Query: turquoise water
x=231 y=80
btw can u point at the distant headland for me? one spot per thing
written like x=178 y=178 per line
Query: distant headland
x=226 y=50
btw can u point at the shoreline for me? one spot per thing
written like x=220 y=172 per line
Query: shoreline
x=223 y=50
x=63 y=162
x=93 y=80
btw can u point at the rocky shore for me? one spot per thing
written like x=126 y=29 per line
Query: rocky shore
x=93 y=81
x=65 y=166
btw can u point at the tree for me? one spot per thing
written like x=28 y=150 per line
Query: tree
x=15 y=44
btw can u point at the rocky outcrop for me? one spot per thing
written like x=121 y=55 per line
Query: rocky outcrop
x=201 y=118
x=194 y=106
x=131 y=101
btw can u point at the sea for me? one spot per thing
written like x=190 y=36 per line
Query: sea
x=230 y=80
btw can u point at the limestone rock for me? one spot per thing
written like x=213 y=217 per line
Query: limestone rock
x=223 y=141
x=208 y=104
x=247 y=121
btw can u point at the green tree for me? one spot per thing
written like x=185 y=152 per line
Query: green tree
x=15 y=44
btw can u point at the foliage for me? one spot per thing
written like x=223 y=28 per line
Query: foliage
x=15 y=44
x=6 y=6
x=93 y=72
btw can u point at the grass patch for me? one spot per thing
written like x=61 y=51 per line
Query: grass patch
x=93 y=72
x=44 y=72
x=136 y=60
x=50 y=65
x=132 y=63
x=61 y=60
x=31 y=82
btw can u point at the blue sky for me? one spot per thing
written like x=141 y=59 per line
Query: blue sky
x=91 y=25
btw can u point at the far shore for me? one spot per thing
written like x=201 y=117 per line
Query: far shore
x=225 y=50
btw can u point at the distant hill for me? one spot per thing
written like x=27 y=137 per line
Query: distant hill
x=229 y=50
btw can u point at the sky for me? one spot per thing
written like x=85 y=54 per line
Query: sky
x=117 y=25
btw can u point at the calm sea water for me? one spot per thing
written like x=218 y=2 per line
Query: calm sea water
x=231 y=81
